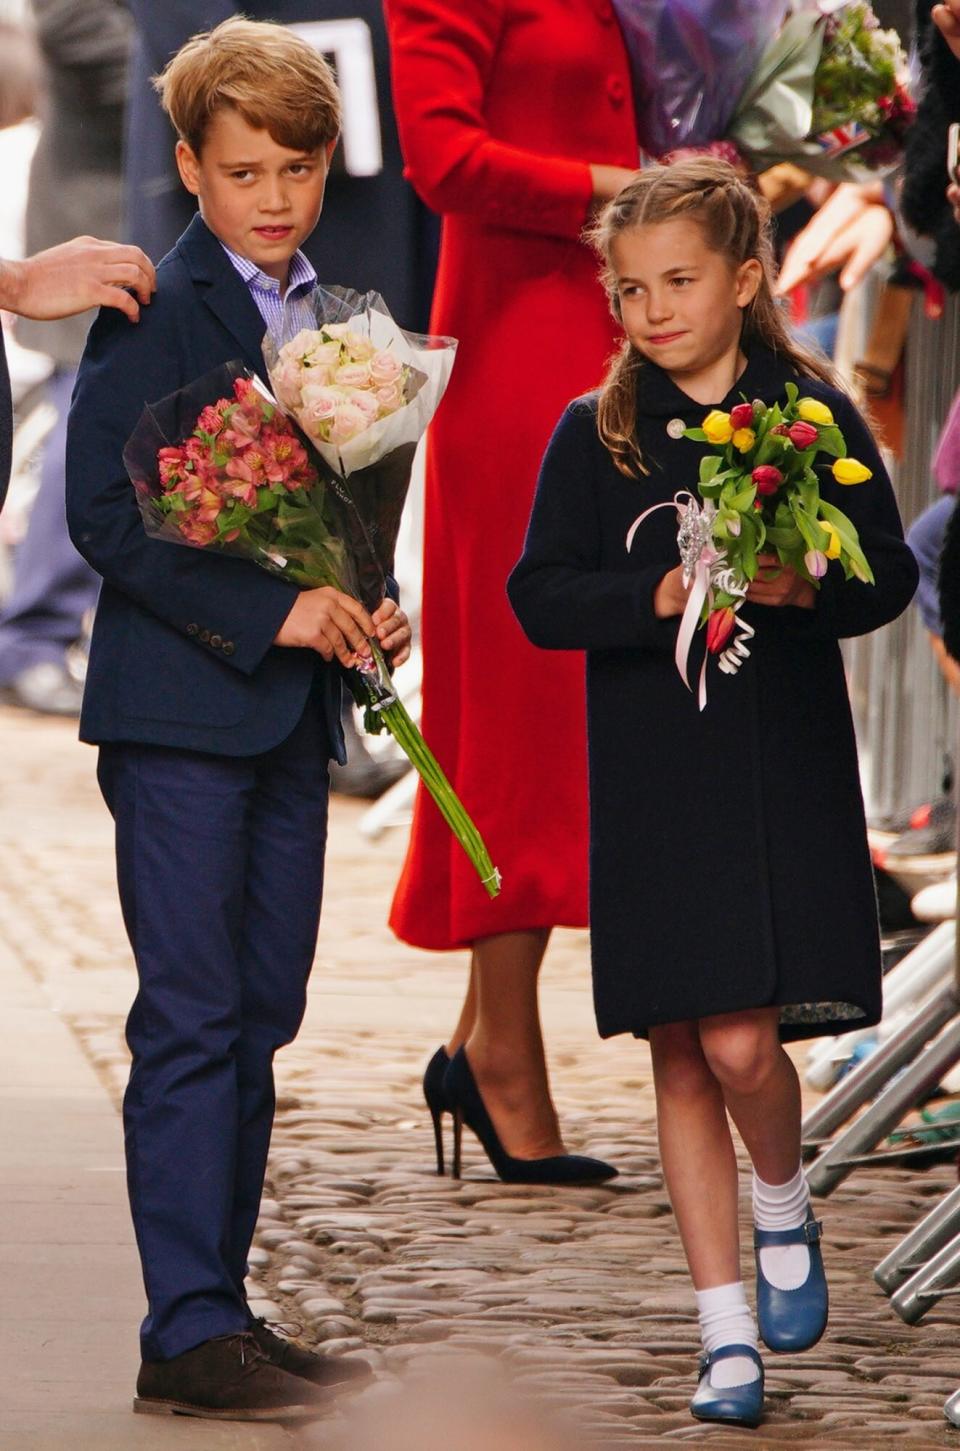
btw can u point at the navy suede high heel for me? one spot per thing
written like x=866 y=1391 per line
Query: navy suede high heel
x=435 y=1094
x=467 y=1107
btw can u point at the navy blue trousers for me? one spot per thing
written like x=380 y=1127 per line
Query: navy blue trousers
x=220 y=870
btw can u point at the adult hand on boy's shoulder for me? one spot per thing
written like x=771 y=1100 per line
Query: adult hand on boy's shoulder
x=75 y=276
x=330 y=622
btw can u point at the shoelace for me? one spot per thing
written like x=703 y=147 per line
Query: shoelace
x=284 y=1329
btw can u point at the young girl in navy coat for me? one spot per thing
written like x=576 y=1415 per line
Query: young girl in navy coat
x=732 y=901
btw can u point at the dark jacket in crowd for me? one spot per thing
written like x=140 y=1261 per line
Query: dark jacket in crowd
x=75 y=177
x=376 y=233
x=729 y=866
x=923 y=199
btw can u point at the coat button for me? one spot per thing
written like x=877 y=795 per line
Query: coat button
x=228 y=647
x=216 y=641
x=616 y=90
x=193 y=629
x=604 y=11
x=205 y=637
x=676 y=428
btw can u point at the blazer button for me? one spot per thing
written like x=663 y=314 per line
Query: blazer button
x=216 y=641
x=228 y=647
x=193 y=629
x=205 y=637
x=616 y=90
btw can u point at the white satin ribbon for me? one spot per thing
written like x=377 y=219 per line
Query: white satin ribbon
x=703 y=572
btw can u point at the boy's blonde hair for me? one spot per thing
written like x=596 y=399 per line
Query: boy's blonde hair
x=735 y=221
x=273 y=79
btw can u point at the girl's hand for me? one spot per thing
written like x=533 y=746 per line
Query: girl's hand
x=670 y=595
x=779 y=584
x=393 y=631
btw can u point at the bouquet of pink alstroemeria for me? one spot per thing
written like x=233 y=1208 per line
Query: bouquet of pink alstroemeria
x=219 y=465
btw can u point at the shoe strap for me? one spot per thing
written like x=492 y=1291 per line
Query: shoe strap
x=728 y=1352
x=808 y=1233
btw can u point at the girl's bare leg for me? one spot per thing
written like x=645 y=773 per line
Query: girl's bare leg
x=760 y=1087
x=697 y=1154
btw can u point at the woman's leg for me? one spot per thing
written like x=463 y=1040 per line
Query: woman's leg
x=500 y=1029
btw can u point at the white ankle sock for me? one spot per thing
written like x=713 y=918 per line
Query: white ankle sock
x=782 y=1206
x=726 y=1319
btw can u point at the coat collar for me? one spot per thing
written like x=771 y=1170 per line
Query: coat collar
x=764 y=377
x=223 y=290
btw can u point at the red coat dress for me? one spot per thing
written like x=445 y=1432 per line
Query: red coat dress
x=501 y=106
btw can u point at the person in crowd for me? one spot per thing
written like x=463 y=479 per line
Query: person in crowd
x=214 y=695
x=59 y=282
x=515 y=183
x=732 y=902
x=74 y=186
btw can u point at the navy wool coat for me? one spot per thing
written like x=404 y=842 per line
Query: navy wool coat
x=182 y=651
x=728 y=858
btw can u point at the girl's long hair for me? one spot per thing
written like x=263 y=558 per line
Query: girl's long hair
x=735 y=221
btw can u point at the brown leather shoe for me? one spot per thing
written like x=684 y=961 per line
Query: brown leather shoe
x=225 y=1379
x=330 y=1371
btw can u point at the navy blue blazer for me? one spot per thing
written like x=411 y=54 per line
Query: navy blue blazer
x=182 y=650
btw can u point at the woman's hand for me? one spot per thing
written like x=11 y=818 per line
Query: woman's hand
x=608 y=180
x=670 y=595
x=947 y=19
x=779 y=584
x=849 y=233
x=393 y=631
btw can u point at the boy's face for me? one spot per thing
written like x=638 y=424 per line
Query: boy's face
x=260 y=198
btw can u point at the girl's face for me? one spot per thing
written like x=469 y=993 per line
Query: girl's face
x=682 y=303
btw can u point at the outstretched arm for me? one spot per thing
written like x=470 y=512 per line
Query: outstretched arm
x=75 y=276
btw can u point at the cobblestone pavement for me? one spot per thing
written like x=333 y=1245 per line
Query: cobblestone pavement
x=581 y=1295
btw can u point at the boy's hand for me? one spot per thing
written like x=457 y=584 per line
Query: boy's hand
x=393 y=631
x=330 y=622
x=75 y=276
x=779 y=584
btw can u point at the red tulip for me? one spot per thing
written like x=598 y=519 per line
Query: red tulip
x=742 y=416
x=780 y=429
x=802 y=435
x=719 y=629
x=767 y=478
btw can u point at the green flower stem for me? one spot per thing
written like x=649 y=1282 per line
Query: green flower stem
x=398 y=722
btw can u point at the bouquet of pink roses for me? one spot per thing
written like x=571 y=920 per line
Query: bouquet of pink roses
x=218 y=465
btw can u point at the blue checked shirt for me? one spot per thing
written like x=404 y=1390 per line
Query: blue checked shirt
x=283 y=315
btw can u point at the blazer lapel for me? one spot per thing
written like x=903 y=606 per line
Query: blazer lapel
x=224 y=292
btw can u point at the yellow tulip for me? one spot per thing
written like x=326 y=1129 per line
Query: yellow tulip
x=832 y=550
x=744 y=439
x=851 y=471
x=811 y=410
x=717 y=426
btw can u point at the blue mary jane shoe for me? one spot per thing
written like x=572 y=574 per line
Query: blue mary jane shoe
x=791 y=1320
x=737 y=1405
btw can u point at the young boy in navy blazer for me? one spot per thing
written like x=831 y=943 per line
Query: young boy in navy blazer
x=213 y=693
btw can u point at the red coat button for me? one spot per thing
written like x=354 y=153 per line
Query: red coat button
x=616 y=90
x=604 y=11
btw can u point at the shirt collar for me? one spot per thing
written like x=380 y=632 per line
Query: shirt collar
x=300 y=278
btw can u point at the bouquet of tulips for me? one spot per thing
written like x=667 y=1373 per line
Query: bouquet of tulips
x=761 y=495
x=219 y=465
x=818 y=83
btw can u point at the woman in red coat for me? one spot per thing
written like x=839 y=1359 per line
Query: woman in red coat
x=516 y=117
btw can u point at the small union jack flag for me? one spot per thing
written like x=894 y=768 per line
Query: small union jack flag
x=843 y=138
